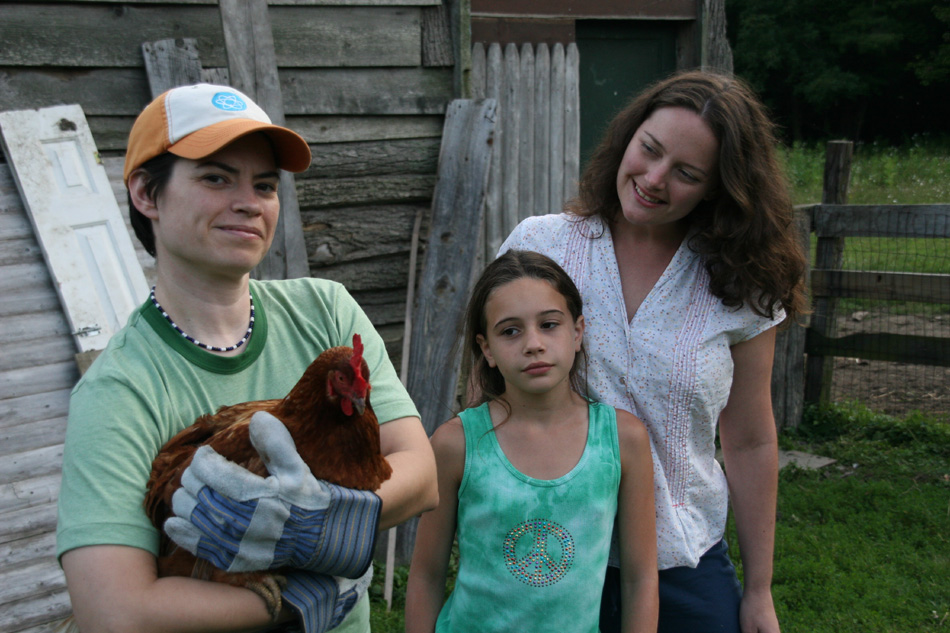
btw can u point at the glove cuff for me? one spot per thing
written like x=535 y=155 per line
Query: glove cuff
x=348 y=539
x=323 y=602
x=312 y=597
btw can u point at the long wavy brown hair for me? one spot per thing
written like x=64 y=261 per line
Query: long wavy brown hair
x=745 y=233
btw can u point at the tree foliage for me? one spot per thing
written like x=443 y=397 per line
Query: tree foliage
x=859 y=69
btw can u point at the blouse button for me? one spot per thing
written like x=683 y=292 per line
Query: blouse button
x=623 y=380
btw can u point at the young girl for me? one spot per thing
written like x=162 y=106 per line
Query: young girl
x=532 y=479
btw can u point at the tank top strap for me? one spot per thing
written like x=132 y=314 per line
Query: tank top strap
x=603 y=438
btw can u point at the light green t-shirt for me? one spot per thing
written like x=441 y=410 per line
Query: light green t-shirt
x=532 y=552
x=150 y=383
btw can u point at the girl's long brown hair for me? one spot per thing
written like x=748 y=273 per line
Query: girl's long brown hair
x=746 y=233
x=486 y=382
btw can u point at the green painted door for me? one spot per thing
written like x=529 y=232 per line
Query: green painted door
x=618 y=58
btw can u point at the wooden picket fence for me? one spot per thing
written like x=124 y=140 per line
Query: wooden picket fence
x=536 y=159
x=804 y=356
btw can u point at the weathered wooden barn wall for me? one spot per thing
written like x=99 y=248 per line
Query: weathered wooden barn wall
x=37 y=372
x=366 y=82
x=354 y=85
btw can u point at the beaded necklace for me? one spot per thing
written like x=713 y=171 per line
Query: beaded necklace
x=210 y=348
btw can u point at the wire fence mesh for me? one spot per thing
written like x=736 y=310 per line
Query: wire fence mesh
x=898 y=388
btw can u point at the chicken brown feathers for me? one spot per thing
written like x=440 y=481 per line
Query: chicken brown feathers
x=336 y=433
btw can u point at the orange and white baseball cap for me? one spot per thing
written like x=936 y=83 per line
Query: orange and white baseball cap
x=197 y=121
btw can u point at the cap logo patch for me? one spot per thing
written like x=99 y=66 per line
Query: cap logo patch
x=229 y=102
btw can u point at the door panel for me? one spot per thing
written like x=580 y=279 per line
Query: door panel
x=618 y=58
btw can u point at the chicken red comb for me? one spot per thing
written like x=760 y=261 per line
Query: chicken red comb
x=356 y=362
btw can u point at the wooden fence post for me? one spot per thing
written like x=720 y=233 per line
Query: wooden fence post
x=449 y=268
x=171 y=63
x=829 y=255
x=788 y=371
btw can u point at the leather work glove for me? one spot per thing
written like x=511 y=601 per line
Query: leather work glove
x=323 y=601
x=240 y=521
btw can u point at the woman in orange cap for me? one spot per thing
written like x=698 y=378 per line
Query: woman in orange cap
x=202 y=172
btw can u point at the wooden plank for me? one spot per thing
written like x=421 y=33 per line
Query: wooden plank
x=37 y=352
x=510 y=111
x=437 y=37
x=27 y=522
x=890 y=286
x=572 y=121
x=383 y=273
x=494 y=201
x=336 y=236
x=558 y=88
x=20 y=251
x=448 y=270
x=829 y=255
x=906 y=220
x=28 y=493
x=369 y=190
x=374 y=158
x=526 y=153
x=22 y=583
x=542 y=131
x=33 y=463
x=33 y=326
x=67 y=35
x=26 y=289
x=36 y=615
x=310 y=91
x=171 y=63
x=355 y=37
x=23 y=551
x=32 y=435
x=477 y=79
x=86 y=36
x=338 y=129
x=370 y=91
x=36 y=380
x=13 y=221
x=252 y=66
x=716 y=53
x=898 y=348
x=788 y=368
x=383 y=307
x=33 y=408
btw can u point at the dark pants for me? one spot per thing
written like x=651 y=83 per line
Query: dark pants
x=700 y=600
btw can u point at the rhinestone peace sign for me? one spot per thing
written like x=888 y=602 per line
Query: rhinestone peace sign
x=543 y=565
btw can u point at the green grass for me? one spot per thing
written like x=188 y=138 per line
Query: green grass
x=863 y=545
x=915 y=173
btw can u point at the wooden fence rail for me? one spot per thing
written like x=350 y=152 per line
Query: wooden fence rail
x=536 y=162
x=795 y=381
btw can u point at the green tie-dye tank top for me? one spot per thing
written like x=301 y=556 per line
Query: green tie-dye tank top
x=533 y=553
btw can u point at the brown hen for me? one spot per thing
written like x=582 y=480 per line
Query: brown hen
x=336 y=434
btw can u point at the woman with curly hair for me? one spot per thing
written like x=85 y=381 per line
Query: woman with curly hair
x=683 y=246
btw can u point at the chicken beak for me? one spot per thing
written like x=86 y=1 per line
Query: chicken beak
x=359 y=405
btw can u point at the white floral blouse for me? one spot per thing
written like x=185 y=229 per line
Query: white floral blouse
x=671 y=366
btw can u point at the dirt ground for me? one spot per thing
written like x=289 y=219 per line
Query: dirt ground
x=893 y=388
